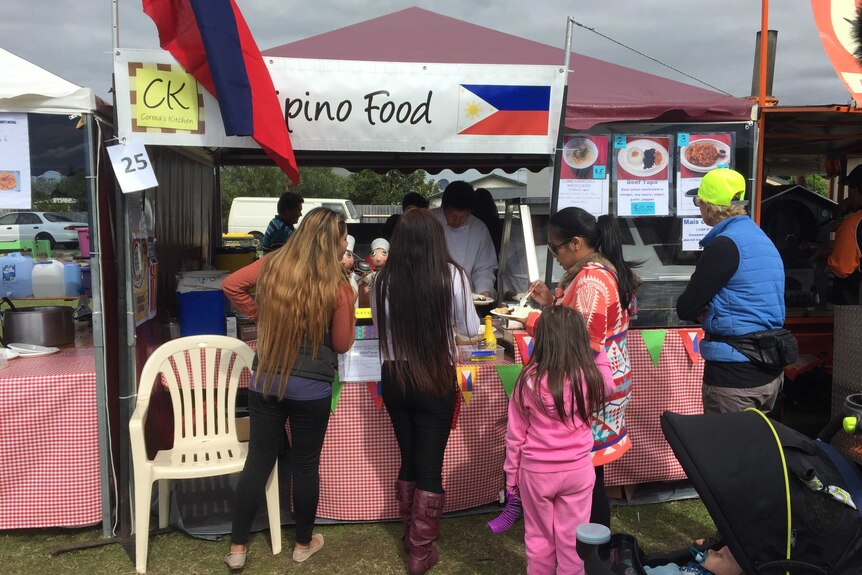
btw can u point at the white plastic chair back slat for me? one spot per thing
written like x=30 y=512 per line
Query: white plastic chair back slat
x=201 y=374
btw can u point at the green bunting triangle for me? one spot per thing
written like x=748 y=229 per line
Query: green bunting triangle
x=336 y=391
x=508 y=376
x=654 y=341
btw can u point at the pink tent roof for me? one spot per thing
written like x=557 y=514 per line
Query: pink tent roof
x=599 y=92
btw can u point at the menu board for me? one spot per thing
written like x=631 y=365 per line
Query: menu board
x=584 y=174
x=693 y=230
x=14 y=162
x=698 y=154
x=642 y=175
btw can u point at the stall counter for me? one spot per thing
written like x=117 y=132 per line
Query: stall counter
x=672 y=385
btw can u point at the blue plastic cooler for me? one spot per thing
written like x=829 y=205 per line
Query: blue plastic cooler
x=202 y=312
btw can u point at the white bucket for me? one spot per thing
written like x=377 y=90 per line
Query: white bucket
x=48 y=280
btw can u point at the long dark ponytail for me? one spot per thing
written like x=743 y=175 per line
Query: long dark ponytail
x=603 y=235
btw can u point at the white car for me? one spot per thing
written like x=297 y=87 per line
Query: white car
x=51 y=226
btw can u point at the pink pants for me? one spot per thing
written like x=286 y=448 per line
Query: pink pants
x=554 y=505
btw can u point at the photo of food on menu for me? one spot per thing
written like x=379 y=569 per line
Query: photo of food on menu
x=583 y=173
x=642 y=175
x=702 y=153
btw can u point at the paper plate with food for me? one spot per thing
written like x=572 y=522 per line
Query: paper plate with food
x=513 y=312
x=580 y=153
x=704 y=155
x=643 y=158
x=479 y=299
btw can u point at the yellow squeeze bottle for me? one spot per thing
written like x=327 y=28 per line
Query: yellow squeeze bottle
x=489 y=340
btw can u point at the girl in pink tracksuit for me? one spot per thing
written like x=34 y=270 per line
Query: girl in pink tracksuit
x=548 y=441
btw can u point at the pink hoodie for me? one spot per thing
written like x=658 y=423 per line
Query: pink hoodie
x=540 y=442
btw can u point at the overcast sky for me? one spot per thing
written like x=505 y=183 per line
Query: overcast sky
x=713 y=41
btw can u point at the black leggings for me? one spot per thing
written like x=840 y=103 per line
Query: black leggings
x=308 y=422
x=601 y=512
x=422 y=423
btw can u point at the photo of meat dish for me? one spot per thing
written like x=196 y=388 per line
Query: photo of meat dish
x=703 y=154
x=8 y=181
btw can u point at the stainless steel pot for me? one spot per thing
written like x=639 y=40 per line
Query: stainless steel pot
x=41 y=325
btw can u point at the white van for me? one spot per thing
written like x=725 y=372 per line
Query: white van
x=252 y=215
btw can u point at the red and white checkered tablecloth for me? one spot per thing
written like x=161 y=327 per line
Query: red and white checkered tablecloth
x=672 y=386
x=49 y=441
x=360 y=459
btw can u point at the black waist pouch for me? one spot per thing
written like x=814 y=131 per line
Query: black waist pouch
x=771 y=348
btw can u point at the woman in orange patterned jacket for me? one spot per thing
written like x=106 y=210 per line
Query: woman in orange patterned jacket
x=601 y=285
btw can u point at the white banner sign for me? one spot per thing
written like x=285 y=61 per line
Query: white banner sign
x=14 y=162
x=337 y=105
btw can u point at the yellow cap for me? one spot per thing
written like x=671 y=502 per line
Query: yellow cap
x=720 y=187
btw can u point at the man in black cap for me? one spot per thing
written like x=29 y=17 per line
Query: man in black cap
x=845 y=257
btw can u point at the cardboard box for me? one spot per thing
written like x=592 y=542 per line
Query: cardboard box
x=246 y=332
x=242 y=428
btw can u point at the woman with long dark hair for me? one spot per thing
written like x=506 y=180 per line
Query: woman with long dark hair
x=601 y=284
x=305 y=318
x=421 y=303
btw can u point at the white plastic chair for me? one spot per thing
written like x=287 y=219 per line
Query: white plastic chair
x=202 y=375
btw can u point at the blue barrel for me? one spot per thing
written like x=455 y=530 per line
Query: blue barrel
x=202 y=312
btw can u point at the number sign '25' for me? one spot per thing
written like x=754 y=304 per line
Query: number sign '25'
x=132 y=167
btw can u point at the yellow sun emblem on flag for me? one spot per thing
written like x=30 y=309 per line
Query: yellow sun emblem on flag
x=473 y=109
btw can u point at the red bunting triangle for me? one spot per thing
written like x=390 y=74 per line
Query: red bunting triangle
x=691 y=339
x=525 y=346
x=375 y=389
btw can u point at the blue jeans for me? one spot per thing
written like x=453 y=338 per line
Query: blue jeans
x=308 y=421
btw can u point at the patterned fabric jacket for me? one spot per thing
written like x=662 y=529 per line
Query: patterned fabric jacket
x=594 y=293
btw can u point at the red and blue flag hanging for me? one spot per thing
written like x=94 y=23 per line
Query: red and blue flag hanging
x=212 y=42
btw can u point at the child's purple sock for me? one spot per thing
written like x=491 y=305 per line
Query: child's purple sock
x=510 y=514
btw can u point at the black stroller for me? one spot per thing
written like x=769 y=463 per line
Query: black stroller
x=782 y=502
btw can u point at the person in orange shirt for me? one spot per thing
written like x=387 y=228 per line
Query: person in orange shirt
x=845 y=257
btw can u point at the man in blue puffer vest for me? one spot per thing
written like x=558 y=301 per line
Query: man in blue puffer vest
x=736 y=289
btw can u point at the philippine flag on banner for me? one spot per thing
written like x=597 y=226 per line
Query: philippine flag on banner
x=498 y=110
x=210 y=39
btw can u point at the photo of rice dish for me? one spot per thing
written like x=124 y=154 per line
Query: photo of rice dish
x=643 y=158
x=580 y=153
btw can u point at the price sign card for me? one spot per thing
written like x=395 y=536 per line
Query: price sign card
x=693 y=230
x=132 y=167
x=583 y=174
x=643 y=186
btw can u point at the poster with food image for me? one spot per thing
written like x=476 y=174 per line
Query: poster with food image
x=642 y=175
x=14 y=162
x=698 y=154
x=584 y=177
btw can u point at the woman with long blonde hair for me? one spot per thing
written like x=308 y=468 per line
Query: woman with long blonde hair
x=305 y=318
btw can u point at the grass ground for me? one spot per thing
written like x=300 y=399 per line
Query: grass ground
x=466 y=547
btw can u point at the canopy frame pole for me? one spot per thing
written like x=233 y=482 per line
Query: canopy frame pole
x=556 y=157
